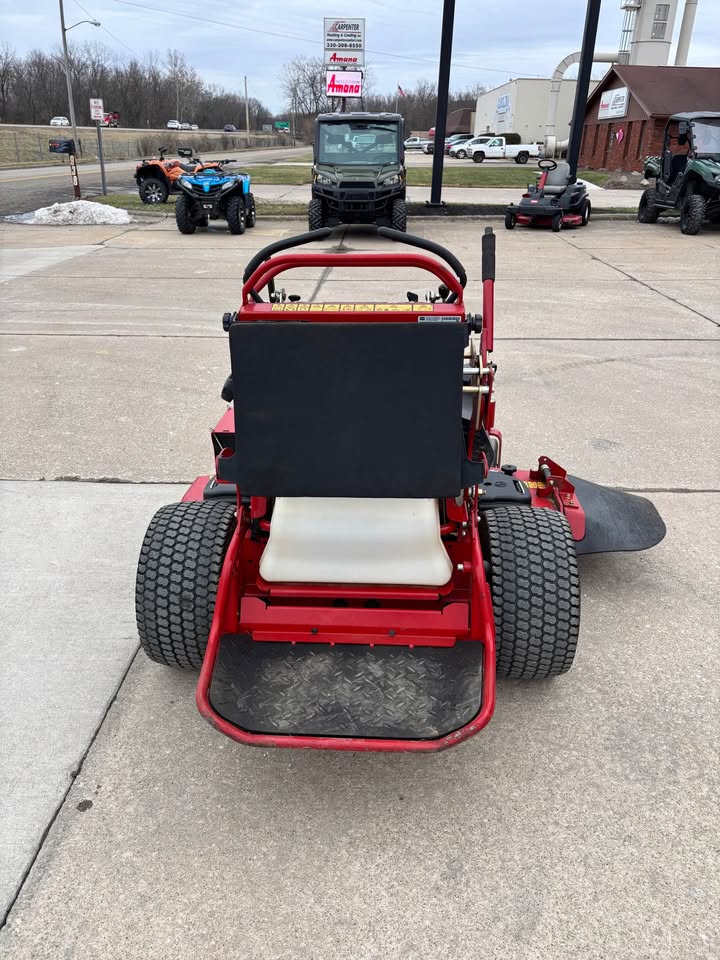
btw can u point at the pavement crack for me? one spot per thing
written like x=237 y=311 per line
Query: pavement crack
x=318 y=286
x=649 y=286
x=74 y=773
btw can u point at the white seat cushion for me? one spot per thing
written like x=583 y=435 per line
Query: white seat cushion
x=344 y=540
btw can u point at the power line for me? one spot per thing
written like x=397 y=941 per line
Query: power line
x=288 y=36
x=103 y=27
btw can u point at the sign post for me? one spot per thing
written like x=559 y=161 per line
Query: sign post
x=68 y=147
x=97 y=113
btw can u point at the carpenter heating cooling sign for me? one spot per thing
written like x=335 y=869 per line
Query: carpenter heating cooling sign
x=344 y=83
x=613 y=103
x=344 y=42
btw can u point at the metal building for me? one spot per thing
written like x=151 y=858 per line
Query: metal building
x=520 y=106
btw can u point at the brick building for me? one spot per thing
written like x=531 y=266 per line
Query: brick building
x=627 y=112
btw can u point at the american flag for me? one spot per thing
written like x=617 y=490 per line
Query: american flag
x=401 y=92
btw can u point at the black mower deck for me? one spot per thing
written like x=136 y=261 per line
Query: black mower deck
x=348 y=690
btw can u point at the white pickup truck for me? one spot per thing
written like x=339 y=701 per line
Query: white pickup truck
x=496 y=149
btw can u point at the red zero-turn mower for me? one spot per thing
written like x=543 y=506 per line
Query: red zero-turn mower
x=557 y=200
x=360 y=568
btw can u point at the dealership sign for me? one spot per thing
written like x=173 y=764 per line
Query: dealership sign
x=613 y=103
x=343 y=83
x=344 y=42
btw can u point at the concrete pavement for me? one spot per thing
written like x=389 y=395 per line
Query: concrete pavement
x=581 y=823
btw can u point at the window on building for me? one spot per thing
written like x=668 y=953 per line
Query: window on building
x=660 y=21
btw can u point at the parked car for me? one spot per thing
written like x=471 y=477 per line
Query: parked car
x=456 y=139
x=185 y=126
x=449 y=141
x=194 y=126
x=59 y=122
x=111 y=119
x=416 y=143
x=229 y=128
x=464 y=148
x=173 y=124
x=497 y=149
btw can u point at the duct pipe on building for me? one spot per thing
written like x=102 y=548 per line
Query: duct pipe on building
x=686 y=29
x=551 y=143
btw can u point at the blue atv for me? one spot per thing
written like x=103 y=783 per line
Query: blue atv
x=209 y=193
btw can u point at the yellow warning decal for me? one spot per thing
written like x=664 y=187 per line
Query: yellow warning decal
x=352 y=307
x=535 y=484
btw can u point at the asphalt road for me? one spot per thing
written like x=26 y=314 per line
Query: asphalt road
x=31 y=187
x=28 y=188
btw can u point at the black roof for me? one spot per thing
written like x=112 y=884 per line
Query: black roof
x=344 y=117
x=665 y=91
x=698 y=115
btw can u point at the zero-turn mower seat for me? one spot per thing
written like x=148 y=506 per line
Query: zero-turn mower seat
x=557 y=180
x=339 y=540
x=356 y=430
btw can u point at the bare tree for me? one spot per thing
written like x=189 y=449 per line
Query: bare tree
x=304 y=86
x=8 y=77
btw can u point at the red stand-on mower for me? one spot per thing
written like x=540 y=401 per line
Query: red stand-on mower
x=557 y=200
x=362 y=565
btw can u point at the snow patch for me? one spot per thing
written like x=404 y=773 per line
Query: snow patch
x=79 y=212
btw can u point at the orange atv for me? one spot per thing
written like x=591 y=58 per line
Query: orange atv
x=156 y=177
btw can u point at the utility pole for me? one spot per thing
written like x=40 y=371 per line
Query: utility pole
x=247 y=110
x=68 y=79
x=446 y=39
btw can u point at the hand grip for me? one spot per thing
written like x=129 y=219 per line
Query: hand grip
x=488 y=254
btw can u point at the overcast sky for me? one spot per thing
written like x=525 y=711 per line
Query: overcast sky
x=494 y=41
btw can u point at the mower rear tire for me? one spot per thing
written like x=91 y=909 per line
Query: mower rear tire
x=556 y=225
x=250 y=212
x=692 y=214
x=235 y=215
x=478 y=156
x=177 y=579
x=509 y=221
x=585 y=212
x=648 y=212
x=398 y=216
x=316 y=214
x=183 y=216
x=535 y=590
x=153 y=190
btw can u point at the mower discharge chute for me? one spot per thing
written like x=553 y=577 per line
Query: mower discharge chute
x=363 y=564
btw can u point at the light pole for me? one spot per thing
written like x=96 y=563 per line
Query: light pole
x=68 y=81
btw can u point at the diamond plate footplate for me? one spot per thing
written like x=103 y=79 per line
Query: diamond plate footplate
x=346 y=690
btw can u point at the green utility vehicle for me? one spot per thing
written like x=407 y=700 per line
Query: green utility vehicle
x=358 y=170
x=687 y=176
